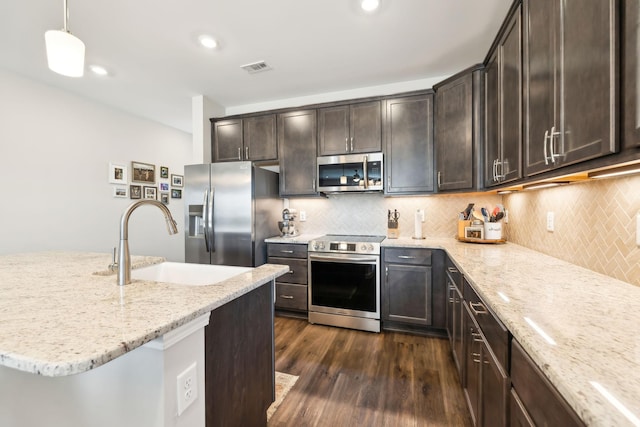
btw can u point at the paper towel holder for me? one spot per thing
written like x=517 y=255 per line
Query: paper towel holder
x=419 y=219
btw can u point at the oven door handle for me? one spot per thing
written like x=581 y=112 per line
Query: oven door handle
x=356 y=260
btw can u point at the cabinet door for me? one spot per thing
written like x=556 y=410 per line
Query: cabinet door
x=541 y=108
x=494 y=391
x=458 y=332
x=472 y=355
x=492 y=139
x=517 y=413
x=227 y=141
x=408 y=294
x=260 y=138
x=454 y=134
x=297 y=148
x=408 y=134
x=333 y=135
x=366 y=127
x=631 y=74
x=588 y=80
x=510 y=167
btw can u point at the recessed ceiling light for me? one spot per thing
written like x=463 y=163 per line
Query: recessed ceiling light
x=208 y=41
x=98 y=70
x=369 y=5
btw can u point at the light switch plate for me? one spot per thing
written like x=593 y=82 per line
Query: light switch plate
x=550 y=221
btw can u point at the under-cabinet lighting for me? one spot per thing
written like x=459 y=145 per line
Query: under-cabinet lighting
x=540 y=331
x=623 y=170
x=544 y=185
x=501 y=192
x=615 y=402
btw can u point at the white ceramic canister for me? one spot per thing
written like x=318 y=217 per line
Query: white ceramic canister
x=493 y=230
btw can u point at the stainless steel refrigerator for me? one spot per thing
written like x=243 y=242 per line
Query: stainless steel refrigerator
x=230 y=208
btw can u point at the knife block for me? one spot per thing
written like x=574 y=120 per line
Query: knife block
x=392 y=230
x=461 y=226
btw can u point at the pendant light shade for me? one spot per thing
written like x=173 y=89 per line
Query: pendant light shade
x=65 y=52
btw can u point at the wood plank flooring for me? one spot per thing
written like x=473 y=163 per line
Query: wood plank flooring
x=355 y=378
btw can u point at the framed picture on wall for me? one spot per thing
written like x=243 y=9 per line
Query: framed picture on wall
x=176 y=180
x=150 y=193
x=164 y=186
x=143 y=172
x=135 y=192
x=117 y=174
x=120 y=192
x=164 y=172
x=164 y=198
x=176 y=194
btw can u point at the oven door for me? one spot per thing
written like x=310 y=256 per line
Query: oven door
x=345 y=284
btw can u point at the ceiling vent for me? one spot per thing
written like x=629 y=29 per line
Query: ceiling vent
x=256 y=67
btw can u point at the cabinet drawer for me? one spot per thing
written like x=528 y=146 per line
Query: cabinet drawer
x=541 y=401
x=287 y=250
x=291 y=297
x=454 y=274
x=297 y=269
x=408 y=256
x=496 y=334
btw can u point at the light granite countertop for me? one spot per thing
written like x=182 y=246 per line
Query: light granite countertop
x=62 y=313
x=300 y=239
x=591 y=352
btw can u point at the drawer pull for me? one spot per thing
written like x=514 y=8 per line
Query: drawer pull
x=452 y=270
x=286 y=296
x=290 y=272
x=478 y=308
x=406 y=257
x=476 y=357
x=286 y=252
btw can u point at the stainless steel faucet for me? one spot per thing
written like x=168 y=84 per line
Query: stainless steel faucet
x=124 y=258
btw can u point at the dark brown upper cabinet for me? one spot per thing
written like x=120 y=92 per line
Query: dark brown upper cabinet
x=408 y=136
x=250 y=138
x=297 y=141
x=345 y=129
x=570 y=69
x=631 y=75
x=503 y=105
x=459 y=121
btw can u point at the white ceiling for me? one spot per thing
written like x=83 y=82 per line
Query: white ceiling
x=314 y=47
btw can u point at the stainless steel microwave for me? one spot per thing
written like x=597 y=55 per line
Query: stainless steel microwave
x=350 y=172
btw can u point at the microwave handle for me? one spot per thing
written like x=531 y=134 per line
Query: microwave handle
x=366 y=174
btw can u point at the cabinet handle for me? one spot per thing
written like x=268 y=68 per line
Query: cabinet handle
x=246 y=153
x=406 y=257
x=546 y=157
x=365 y=166
x=286 y=296
x=290 y=272
x=476 y=357
x=552 y=144
x=286 y=252
x=438 y=179
x=346 y=144
x=239 y=153
x=452 y=270
x=478 y=308
x=494 y=170
x=351 y=144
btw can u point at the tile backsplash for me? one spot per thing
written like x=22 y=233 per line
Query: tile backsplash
x=366 y=213
x=595 y=221
x=595 y=224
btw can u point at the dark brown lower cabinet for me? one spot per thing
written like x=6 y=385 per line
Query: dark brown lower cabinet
x=240 y=361
x=518 y=415
x=536 y=398
x=494 y=390
x=472 y=348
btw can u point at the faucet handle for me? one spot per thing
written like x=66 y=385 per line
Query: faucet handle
x=114 y=264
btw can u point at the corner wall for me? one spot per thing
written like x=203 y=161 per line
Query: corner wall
x=55 y=149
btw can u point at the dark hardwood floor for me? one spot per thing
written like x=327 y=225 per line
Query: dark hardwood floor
x=355 y=378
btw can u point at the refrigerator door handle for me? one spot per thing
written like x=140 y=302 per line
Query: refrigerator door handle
x=212 y=247
x=205 y=218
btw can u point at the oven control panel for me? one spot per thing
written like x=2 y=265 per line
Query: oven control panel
x=341 y=246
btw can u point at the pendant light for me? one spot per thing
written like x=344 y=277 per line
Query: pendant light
x=65 y=52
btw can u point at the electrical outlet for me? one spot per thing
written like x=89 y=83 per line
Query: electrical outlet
x=303 y=215
x=187 y=387
x=551 y=221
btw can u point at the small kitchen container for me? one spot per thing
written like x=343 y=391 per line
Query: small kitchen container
x=493 y=230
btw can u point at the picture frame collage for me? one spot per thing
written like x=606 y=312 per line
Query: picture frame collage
x=143 y=183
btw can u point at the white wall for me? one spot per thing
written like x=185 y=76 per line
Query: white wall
x=55 y=149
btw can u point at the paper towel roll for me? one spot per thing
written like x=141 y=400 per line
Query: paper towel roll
x=417 y=227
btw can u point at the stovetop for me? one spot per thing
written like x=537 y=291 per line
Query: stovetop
x=344 y=243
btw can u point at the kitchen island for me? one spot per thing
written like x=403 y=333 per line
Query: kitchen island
x=578 y=326
x=62 y=316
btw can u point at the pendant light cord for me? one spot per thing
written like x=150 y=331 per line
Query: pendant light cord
x=66 y=16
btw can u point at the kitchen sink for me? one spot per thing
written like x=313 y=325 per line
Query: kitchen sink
x=187 y=274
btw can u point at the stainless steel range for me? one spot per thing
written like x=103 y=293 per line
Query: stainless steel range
x=344 y=281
